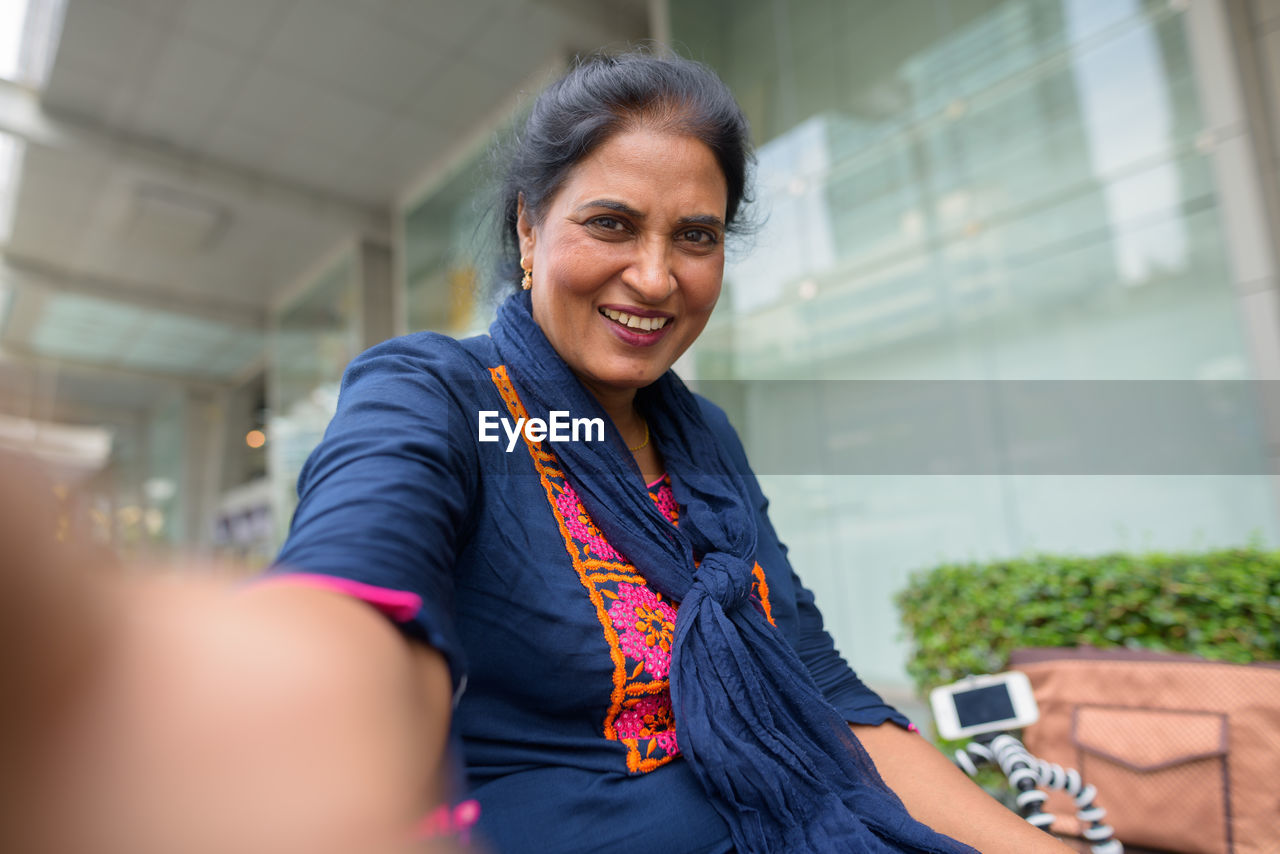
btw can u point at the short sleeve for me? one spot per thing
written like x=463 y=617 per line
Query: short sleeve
x=384 y=500
x=857 y=703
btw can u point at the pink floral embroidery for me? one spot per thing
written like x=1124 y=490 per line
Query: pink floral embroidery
x=651 y=717
x=638 y=626
x=645 y=627
x=581 y=527
x=666 y=501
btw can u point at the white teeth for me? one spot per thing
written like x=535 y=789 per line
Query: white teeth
x=642 y=324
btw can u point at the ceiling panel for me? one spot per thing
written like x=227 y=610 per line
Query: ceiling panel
x=445 y=21
x=103 y=39
x=48 y=235
x=166 y=12
x=198 y=72
x=515 y=41
x=237 y=25
x=171 y=118
x=84 y=92
x=250 y=147
x=316 y=41
x=304 y=111
x=309 y=162
x=402 y=148
x=60 y=182
x=439 y=106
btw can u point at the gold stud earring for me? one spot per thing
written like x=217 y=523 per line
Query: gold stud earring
x=527 y=281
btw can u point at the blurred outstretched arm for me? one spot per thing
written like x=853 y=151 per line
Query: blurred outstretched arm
x=169 y=713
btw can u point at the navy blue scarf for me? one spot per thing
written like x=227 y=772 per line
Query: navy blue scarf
x=777 y=761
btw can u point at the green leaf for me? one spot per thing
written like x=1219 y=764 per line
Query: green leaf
x=967 y=618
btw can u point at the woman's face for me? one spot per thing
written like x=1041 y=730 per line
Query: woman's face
x=628 y=257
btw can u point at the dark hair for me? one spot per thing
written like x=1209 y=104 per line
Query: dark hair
x=604 y=95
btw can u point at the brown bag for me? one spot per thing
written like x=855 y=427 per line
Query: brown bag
x=1184 y=752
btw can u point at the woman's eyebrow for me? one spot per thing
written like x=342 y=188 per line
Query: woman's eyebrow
x=702 y=219
x=623 y=208
x=610 y=204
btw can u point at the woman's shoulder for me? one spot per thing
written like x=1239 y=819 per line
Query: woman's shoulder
x=416 y=375
x=475 y=352
x=423 y=359
x=722 y=428
x=718 y=420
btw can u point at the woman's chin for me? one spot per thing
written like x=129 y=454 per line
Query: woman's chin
x=627 y=379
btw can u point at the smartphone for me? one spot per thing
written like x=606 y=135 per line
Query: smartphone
x=982 y=704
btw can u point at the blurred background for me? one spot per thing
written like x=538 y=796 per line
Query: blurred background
x=208 y=207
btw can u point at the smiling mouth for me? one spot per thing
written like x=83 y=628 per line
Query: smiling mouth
x=636 y=324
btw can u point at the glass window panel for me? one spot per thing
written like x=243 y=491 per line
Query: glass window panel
x=982 y=190
x=450 y=247
x=312 y=340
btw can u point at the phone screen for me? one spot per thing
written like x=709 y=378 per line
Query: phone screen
x=982 y=705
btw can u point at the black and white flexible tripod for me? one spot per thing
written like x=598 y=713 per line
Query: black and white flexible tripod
x=1028 y=774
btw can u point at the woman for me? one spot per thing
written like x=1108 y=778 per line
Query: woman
x=633 y=662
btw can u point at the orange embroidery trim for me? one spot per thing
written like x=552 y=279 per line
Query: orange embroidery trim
x=762 y=593
x=629 y=689
x=591 y=572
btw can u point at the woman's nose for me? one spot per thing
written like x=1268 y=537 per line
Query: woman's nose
x=650 y=273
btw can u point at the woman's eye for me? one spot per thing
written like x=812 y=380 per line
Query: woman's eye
x=608 y=223
x=699 y=237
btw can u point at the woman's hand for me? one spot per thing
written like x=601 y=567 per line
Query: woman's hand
x=149 y=714
x=940 y=795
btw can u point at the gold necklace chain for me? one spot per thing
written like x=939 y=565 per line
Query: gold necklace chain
x=642 y=445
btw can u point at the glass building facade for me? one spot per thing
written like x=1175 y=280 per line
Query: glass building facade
x=313 y=338
x=444 y=235
x=972 y=192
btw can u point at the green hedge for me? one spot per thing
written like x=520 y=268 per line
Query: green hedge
x=967 y=618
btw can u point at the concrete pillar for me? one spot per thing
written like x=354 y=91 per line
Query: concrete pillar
x=378 y=303
x=203 y=452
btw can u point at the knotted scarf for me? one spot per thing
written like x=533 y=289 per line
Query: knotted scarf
x=774 y=757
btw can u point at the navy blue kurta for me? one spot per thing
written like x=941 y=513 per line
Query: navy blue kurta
x=559 y=647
